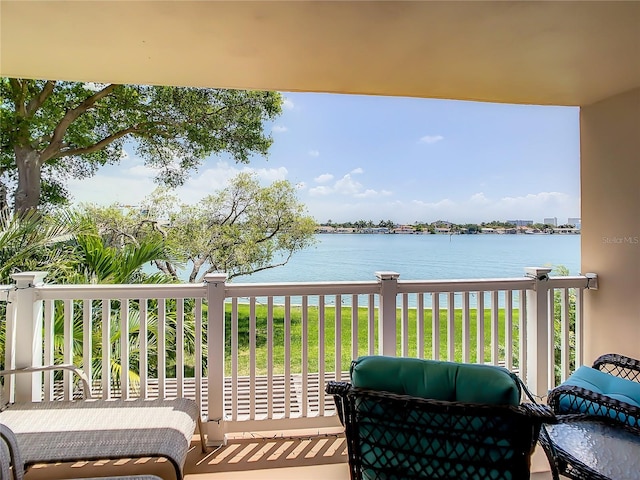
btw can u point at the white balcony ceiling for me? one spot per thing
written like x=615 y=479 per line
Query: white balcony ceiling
x=560 y=53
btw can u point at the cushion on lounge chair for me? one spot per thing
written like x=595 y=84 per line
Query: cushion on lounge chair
x=448 y=381
x=602 y=383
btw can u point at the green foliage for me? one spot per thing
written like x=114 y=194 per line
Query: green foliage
x=242 y=229
x=57 y=130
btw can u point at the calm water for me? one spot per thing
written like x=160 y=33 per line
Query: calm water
x=424 y=257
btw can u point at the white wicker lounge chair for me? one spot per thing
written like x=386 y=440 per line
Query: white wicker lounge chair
x=90 y=429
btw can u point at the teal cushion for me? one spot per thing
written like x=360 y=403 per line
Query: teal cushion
x=448 y=381
x=603 y=383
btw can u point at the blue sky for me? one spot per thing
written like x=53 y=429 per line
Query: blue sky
x=404 y=159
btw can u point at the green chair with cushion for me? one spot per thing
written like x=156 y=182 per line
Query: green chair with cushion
x=409 y=418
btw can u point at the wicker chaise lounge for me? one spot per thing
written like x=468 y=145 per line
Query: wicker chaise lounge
x=90 y=429
x=407 y=418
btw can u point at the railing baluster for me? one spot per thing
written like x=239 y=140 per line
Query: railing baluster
x=495 y=329
x=234 y=359
x=87 y=338
x=354 y=327
x=124 y=348
x=564 y=332
x=180 y=347
x=270 y=357
x=321 y=354
x=106 y=348
x=508 y=329
x=372 y=324
x=466 y=330
x=197 y=368
x=338 y=340
x=404 y=330
x=252 y=358
x=305 y=355
x=287 y=357
x=68 y=348
x=162 y=347
x=522 y=334
x=49 y=309
x=480 y=327
x=578 y=332
x=144 y=348
x=435 y=326
x=420 y=325
x=451 y=319
x=551 y=340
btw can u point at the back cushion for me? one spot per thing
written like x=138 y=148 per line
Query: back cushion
x=448 y=381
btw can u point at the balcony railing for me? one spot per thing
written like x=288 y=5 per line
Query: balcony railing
x=257 y=356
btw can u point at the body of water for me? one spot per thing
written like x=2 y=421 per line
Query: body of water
x=424 y=257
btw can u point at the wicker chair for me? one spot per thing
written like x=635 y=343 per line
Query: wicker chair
x=92 y=429
x=597 y=436
x=474 y=427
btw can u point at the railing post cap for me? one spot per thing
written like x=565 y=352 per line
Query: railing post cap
x=29 y=278
x=535 y=271
x=387 y=275
x=216 y=277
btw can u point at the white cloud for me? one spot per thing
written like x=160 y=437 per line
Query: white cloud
x=288 y=104
x=324 y=178
x=320 y=191
x=314 y=153
x=279 y=129
x=368 y=193
x=347 y=186
x=431 y=139
x=357 y=170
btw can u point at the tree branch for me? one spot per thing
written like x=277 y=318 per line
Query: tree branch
x=18 y=96
x=58 y=134
x=37 y=101
x=92 y=148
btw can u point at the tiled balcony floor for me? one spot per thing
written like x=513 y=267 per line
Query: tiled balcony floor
x=247 y=457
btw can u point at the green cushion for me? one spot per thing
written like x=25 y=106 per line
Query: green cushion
x=448 y=381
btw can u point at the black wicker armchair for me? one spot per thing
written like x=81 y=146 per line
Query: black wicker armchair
x=391 y=435
x=597 y=436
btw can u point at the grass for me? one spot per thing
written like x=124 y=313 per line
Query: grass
x=329 y=344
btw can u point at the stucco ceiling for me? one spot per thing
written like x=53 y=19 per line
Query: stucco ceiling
x=559 y=53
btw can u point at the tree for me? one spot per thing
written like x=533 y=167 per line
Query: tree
x=242 y=229
x=53 y=130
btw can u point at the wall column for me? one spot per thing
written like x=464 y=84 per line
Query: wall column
x=610 y=203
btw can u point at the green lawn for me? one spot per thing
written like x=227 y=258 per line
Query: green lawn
x=329 y=332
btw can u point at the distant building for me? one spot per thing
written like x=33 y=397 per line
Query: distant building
x=521 y=223
x=575 y=221
x=551 y=221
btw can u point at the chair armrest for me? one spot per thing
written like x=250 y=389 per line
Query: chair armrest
x=569 y=399
x=541 y=412
x=619 y=365
x=86 y=386
x=9 y=438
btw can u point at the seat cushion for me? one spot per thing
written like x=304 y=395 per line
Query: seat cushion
x=605 y=384
x=447 y=381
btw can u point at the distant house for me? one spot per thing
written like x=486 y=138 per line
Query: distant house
x=405 y=229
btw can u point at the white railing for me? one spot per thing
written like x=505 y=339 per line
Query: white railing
x=257 y=356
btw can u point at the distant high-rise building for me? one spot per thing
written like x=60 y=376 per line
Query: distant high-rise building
x=575 y=221
x=551 y=221
x=521 y=223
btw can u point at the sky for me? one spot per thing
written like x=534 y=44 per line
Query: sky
x=408 y=160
